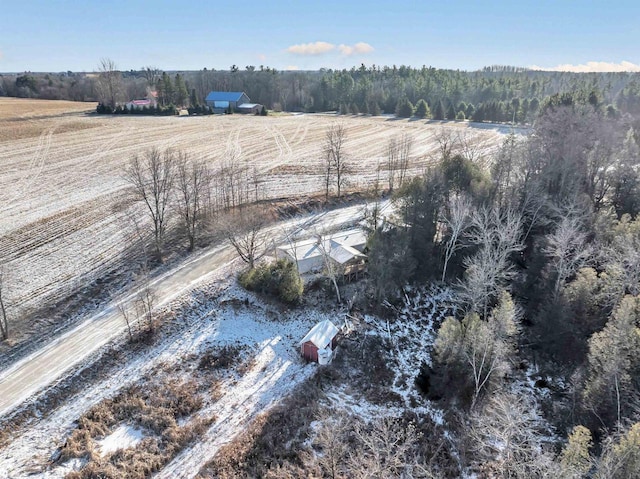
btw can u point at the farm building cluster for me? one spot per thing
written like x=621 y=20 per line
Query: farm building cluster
x=219 y=101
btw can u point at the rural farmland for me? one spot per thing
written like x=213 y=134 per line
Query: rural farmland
x=64 y=214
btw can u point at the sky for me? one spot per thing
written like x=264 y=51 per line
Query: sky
x=574 y=35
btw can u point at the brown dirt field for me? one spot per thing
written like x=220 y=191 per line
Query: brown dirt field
x=61 y=179
x=26 y=118
x=21 y=108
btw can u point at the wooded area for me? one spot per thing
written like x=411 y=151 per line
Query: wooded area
x=498 y=94
x=542 y=249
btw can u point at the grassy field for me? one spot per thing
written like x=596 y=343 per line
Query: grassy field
x=62 y=196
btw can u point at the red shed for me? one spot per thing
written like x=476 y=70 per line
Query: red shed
x=319 y=343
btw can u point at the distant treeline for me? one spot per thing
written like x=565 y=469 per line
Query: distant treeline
x=501 y=94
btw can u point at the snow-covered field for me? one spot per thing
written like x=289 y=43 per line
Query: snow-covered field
x=62 y=192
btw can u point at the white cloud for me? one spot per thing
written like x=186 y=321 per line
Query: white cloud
x=314 y=48
x=292 y=67
x=623 y=66
x=359 y=48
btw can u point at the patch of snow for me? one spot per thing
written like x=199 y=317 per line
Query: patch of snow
x=124 y=437
x=74 y=464
x=360 y=407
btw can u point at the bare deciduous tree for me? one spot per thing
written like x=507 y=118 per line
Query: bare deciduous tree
x=498 y=236
x=151 y=74
x=392 y=161
x=398 y=154
x=457 y=222
x=480 y=352
x=124 y=311
x=193 y=181
x=332 y=440
x=152 y=177
x=4 y=322
x=335 y=158
x=145 y=304
x=404 y=153
x=245 y=232
x=109 y=82
x=568 y=249
x=331 y=268
x=468 y=148
x=385 y=448
x=446 y=143
x=506 y=438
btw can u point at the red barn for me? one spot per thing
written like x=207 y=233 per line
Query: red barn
x=319 y=343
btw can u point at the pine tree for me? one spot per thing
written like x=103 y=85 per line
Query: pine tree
x=438 y=112
x=180 y=91
x=422 y=109
x=468 y=113
x=165 y=89
x=404 y=108
x=451 y=112
x=193 y=98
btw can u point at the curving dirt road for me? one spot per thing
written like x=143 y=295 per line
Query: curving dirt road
x=33 y=373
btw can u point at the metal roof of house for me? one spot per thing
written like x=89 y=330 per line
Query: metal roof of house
x=224 y=96
x=342 y=253
x=248 y=105
x=321 y=334
x=340 y=246
x=352 y=237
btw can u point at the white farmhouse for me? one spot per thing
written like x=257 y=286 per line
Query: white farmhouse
x=344 y=248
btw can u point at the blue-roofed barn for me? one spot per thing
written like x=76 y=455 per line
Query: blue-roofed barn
x=221 y=101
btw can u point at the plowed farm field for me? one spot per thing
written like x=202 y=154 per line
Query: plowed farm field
x=62 y=195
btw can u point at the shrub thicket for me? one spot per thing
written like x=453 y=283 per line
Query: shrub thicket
x=280 y=279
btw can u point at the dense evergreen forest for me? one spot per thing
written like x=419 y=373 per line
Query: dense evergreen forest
x=497 y=94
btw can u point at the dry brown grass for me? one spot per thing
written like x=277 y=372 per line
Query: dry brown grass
x=36 y=128
x=363 y=364
x=221 y=358
x=155 y=406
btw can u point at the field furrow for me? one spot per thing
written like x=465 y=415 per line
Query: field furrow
x=62 y=190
